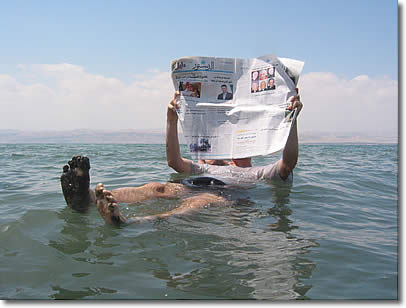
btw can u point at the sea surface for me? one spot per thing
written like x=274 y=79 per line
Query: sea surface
x=331 y=235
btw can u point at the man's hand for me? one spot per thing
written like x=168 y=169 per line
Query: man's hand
x=172 y=116
x=173 y=157
x=295 y=103
x=291 y=151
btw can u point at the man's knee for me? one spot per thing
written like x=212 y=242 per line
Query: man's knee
x=156 y=187
x=165 y=190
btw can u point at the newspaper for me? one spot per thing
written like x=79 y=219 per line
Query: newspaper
x=235 y=108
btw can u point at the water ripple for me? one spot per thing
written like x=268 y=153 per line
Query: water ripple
x=331 y=235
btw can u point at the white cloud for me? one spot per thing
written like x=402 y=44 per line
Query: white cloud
x=63 y=68
x=78 y=99
x=65 y=96
x=362 y=104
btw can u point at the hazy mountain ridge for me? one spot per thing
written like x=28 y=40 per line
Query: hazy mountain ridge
x=157 y=136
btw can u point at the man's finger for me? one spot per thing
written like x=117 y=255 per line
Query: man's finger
x=299 y=105
x=173 y=105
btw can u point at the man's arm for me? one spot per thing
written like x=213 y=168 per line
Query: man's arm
x=291 y=150
x=173 y=157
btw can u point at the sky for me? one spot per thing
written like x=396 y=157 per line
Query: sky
x=105 y=64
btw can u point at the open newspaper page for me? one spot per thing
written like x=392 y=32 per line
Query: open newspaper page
x=235 y=108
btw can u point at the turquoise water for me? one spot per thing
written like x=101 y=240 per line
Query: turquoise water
x=332 y=235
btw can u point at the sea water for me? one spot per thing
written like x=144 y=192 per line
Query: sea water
x=333 y=234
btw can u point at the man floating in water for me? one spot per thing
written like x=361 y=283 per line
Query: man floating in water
x=75 y=186
x=75 y=179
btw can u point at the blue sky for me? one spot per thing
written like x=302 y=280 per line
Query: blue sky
x=72 y=63
x=120 y=38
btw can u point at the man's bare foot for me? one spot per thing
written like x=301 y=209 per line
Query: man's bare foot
x=75 y=181
x=108 y=207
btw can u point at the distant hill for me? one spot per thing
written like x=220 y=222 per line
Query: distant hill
x=157 y=136
x=354 y=137
x=83 y=136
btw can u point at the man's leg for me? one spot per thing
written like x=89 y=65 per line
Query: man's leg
x=110 y=211
x=75 y=181
x=147 y=192
x=196 y=202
